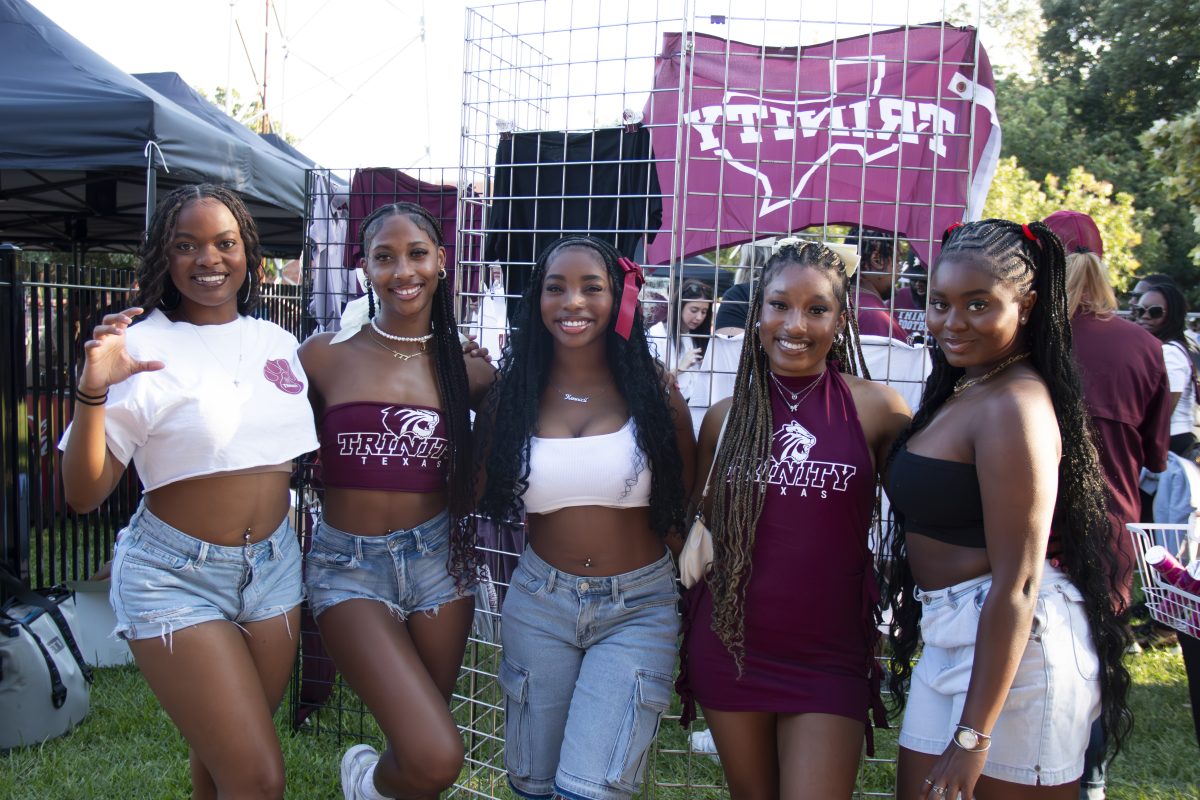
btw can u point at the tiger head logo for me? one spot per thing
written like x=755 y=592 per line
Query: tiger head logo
x=797 y=442
x=416 y=422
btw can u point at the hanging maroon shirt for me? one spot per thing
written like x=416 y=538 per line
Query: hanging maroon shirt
x=1127 y=395
x=375 y=187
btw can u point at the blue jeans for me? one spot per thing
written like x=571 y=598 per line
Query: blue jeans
x=164 y=580
x=406 y=570
x=587 y=675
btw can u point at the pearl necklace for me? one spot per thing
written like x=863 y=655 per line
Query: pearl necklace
x=962 y=384
x=405 y=339
x=799 y=397
x=401 y=356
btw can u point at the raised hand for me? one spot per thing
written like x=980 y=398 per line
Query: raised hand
x=106 y=361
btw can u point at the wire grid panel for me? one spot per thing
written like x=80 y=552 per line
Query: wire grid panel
x=693 y=136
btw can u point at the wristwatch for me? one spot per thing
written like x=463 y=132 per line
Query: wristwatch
x=971 y=739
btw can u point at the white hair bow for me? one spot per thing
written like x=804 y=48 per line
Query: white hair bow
x=356 y=314
x=846 y=252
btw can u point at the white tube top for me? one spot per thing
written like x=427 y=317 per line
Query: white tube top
x=605 y=470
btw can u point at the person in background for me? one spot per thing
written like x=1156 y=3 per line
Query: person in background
x=1001 y=561
x=1144 y=284
x=209 y=404
x=909 y=302
x=1162 y=310
x=915 y=295
x=688 y=344
x=1127 y=396
x=877 y=276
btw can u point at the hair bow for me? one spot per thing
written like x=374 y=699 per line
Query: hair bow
x=629 y=296
x=355 y=315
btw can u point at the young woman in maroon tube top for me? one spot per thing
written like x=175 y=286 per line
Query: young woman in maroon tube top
x=584 y=435
x=780 y=640
x=1001 y=564
x=393 y=555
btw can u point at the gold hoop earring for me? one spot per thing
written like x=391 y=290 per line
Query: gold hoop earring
x=442 y=274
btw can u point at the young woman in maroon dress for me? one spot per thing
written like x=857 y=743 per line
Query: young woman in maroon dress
x=780 y=638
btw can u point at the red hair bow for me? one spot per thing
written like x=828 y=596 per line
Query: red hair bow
x=953 y=228
x=629 y=296
x=1028 y=233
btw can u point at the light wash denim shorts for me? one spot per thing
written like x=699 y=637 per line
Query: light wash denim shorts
x=406 y=570
x=164 y=580
x=587 y=674
x=1043 y=729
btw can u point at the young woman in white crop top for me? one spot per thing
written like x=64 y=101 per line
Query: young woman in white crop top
x=581 y=432
x=211 y=406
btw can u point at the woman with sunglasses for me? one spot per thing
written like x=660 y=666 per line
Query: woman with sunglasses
x=1162 y=310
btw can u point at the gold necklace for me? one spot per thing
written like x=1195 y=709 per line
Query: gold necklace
x=962 y=384
x=400 y=356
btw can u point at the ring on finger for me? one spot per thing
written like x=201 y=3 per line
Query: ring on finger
x=928 y=782
x=940 y=791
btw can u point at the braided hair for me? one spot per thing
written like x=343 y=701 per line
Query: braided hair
x=515 y=398
x=746 y=446
x=155 y=287
x=1030 y=257
x=453 y=388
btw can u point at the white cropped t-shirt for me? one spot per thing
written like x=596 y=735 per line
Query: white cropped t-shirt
x=231 y=397
x=606 y=470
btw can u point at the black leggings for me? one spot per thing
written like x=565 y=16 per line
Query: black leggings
x=1191 y=663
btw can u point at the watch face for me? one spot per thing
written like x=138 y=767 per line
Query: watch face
x=965 y=739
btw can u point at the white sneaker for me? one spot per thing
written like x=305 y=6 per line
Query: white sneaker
x=355 y=762
x=702 y=742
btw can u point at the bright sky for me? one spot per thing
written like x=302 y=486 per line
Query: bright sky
x=356 y=84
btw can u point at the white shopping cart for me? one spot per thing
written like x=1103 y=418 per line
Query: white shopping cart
x=1168 y=604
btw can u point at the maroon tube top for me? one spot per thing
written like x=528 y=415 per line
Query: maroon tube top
x=377 y=446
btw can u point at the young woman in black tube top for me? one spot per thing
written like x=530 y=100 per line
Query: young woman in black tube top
x=1006 y=589
x=393 y=555
x=584 y=435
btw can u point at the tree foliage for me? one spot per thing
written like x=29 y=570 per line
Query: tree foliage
x=1130 y=62
x=1174 y=149
x=1016 y=196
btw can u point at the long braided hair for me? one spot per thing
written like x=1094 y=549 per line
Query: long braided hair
x=746 y=446
x=155 y=287
x=516 y=396
x=1030 y=257
x=454 y=389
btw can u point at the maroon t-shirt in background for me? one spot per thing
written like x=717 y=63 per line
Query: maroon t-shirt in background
x=904 y=299
x=874 y=317
x=1127 y=395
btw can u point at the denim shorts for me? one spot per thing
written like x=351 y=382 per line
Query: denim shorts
x=1043 y=728
x=587 y=674
x=164 y=580
x=406 y=570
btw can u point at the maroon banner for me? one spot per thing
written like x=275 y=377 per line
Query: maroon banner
x=895 y=130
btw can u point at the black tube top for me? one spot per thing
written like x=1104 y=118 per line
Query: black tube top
x=937 y=498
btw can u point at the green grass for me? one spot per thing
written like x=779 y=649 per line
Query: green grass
x=127 y=747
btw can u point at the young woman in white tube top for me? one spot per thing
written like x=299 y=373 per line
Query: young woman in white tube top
x=582 y=433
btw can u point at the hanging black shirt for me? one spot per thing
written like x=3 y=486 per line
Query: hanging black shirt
x=551 y=184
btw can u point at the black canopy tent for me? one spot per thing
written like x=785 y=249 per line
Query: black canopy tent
x=74 y=134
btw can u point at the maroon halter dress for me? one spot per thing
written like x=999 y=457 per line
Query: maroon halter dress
x=812 y=598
